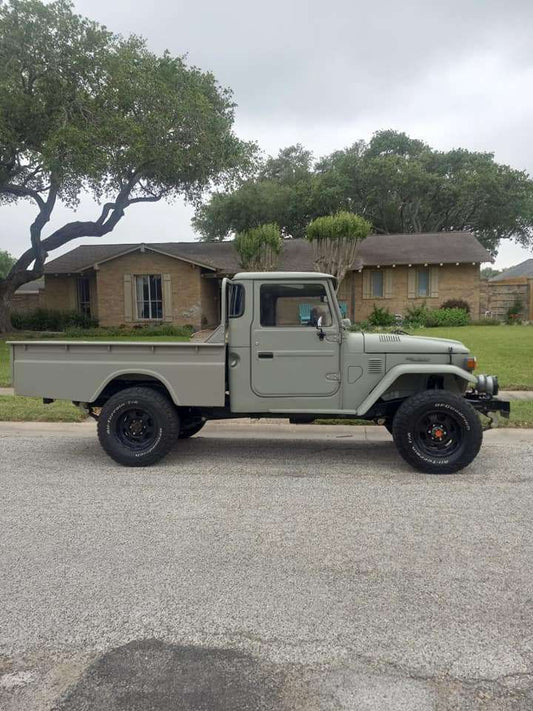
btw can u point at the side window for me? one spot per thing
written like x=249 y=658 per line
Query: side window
x=236 y=301
x=290 y=305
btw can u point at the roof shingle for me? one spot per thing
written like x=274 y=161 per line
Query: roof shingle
x=297 y=254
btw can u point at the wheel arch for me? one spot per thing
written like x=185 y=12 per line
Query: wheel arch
x=450 y=373
x=120 y=380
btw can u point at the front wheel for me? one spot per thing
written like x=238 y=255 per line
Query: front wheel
x=437 y=432
x=138 y=426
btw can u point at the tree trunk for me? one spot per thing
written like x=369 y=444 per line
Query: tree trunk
x=5 y=317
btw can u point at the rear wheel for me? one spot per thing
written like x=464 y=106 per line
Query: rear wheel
x=437 y=432
x=191 y=427
x=138 y=426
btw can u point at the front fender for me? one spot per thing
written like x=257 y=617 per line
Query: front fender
x=398 y=370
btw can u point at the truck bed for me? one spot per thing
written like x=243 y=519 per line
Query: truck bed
x=193 y=373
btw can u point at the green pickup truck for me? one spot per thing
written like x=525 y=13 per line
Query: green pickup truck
x=282 y=350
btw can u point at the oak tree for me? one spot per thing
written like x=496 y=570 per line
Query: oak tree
x=83 y=110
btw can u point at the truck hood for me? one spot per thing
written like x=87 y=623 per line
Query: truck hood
x=395 y=343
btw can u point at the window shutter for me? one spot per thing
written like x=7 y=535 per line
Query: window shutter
x=387 y=283
x=128 y=300
x=434 y=281
x=366 y=284
x=167 y=297
x=411 y=284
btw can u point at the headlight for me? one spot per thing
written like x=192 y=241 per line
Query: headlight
x=487 y=384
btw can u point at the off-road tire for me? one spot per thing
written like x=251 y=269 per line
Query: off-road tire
x=419 y=446
x=189 y=430
x=146 y=404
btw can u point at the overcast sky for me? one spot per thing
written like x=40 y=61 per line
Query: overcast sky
x=453 y=73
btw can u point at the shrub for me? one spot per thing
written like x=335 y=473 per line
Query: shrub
x=381 y=317
x=51 y=320
x=132 y=332
x=456 y=304
x=446 y=317
x=416 y=316
x=514 y=312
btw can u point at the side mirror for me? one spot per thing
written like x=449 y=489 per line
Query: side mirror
x=346 y=323
x=319 y=322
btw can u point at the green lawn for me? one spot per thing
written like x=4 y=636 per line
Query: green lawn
x=31 y=409
x=505 y=351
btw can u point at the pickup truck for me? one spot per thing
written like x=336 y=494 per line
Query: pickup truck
x=282 y=350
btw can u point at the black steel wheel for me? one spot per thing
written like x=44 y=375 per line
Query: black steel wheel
x=437 y=432
x=138 y=426
x=191 y=427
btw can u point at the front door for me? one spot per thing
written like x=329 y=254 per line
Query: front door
x=290 y=355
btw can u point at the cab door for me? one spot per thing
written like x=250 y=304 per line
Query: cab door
x=291 y=354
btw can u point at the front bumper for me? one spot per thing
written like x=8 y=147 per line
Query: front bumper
x=486 y=404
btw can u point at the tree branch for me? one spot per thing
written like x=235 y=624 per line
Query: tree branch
x=23 y=191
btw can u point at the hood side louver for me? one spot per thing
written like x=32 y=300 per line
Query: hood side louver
x=375 y=365
x=389 y=338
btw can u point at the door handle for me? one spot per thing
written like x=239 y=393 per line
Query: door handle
x=265 y=354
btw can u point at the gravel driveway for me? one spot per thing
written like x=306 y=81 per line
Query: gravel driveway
x=263 y=567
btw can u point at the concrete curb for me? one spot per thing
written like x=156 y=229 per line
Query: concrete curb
x=253 y=428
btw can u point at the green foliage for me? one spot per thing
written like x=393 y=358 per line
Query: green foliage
x=381 y=317
x=456 y=304
x=514 y=312
x=259 y=247
x=6 y=262
x=335 y=239
x=50 y=320
x=399 y=184
x=82 y=109
x=281 y=193
x=342 y=225
x=447 y=317
x=489 y=272
x=421 y=316
x=169 y=330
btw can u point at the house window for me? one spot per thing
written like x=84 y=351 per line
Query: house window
x=84 y=296
x=422 y=282
x=376 y=284
x=149 y=296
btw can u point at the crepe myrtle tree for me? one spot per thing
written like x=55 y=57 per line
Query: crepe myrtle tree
x=83 y=110
x=335 y=239
x=259 y=248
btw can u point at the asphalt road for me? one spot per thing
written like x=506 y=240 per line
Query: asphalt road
x=263 y=568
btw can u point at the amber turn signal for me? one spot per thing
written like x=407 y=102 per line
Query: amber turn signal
x=471 y=363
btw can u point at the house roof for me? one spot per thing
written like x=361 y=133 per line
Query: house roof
x=31 y=287
x=524 y=269
x=297 y=254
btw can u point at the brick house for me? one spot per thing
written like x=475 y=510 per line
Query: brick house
x=178 y=282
